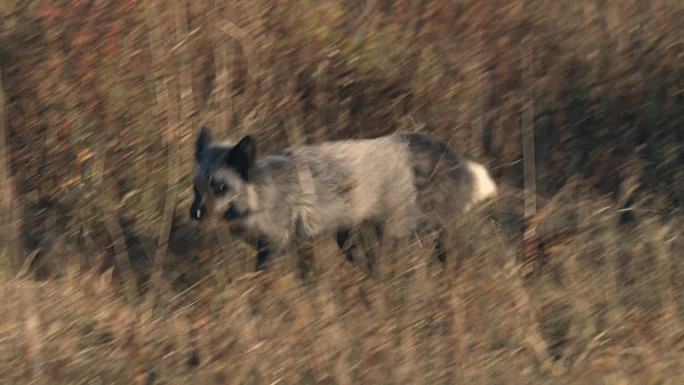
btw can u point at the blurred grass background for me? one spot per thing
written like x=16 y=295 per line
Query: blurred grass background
x=106 y=280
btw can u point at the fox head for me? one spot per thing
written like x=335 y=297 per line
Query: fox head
x=222 y=176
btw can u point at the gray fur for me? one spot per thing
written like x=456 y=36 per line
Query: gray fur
x=405 y=182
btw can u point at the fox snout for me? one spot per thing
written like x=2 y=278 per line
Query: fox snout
x=198 y=210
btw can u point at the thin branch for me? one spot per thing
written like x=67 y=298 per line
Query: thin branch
x=165 y=103
x=8 y=230
x=530 y=240
x=32 y=332
x=529 y=160
x=27 y=263
x=110 y=210
x=223 y=84
x=241 y=36
x=121 y=257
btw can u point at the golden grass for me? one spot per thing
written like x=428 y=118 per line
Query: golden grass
x=414 y=323
x=101 y=104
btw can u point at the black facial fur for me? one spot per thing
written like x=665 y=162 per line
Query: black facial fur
x=242 y=157
x=234 y=214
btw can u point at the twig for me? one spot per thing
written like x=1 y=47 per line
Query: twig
x=121 y=257
x=222 y=89
x=9 y=235
x=32 y=332
x=532 y=337
x=164 y=102
x=27 y=263
x=240 y=35
x=110 y=212
x=530 y=188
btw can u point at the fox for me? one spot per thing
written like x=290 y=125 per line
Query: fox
x=403 y=183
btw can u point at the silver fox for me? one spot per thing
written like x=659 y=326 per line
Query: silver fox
x=405 y=183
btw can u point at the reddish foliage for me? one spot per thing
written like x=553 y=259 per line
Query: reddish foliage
x=84 y=39
x=128 y=5
x=48 y=12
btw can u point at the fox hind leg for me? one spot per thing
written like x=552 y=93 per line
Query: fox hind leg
x=440 y=246
x=368 y=236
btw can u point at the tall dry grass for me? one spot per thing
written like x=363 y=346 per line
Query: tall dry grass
x=476 y=322
x=572 y=276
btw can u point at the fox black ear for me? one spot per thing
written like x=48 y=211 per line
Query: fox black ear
x=243 y=156
x=203 y=140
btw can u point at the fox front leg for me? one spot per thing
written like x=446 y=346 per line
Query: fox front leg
x=263 y=254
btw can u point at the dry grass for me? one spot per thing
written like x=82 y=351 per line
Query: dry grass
x=415 y=323
x=101 y=104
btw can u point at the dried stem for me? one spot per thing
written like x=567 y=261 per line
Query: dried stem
x=164 y=102
x=121 y=258
x=8 y=230
x=529 y=171
x=222 y=60
x=110 y=211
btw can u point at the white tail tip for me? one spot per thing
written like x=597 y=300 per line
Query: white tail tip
x=483 y=184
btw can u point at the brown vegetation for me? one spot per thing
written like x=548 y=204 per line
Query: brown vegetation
x=105 y=280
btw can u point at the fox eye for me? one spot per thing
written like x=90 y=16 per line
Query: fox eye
x=219 y=188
